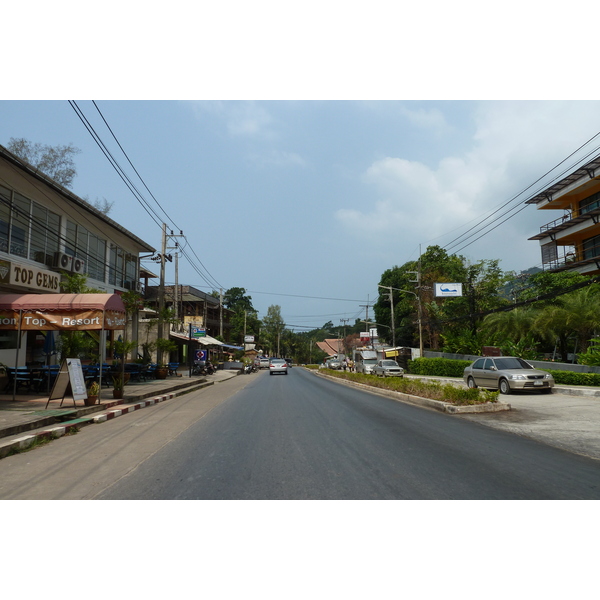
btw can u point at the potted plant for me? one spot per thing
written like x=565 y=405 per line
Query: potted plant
x=118 y=384
x=93 y=392
x=165 y=346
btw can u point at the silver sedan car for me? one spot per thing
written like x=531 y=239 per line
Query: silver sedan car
x=388 y=368
x=507 y=373
x=278 y=365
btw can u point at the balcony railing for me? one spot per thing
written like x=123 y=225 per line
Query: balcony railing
x=557 y=222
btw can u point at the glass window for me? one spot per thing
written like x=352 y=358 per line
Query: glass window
x=589 y=203
x=89 y=248
x=45 y=230
x=478 y=364
x=591 y=247
x=5 y=196
x=19 y=226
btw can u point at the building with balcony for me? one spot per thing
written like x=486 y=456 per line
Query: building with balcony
x=571 y=242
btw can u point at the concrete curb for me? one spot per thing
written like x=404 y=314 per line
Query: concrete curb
x=446 y=407
x=55 y=432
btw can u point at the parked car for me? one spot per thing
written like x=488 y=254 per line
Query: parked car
x=507 y=373
x=278 y=365
x=264 y=363
x=366 y=366
x=388 y=368
x=333 y=363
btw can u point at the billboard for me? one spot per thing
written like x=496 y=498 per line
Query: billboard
x=448 y=290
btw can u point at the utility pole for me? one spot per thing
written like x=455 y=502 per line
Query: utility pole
x=161 y=292
x=391 y=299
x=366 y=321
x=221 y=312
x=343 y=322
x=161 y=287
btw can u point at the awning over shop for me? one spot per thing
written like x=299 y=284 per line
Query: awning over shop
x=61 y=312
x=206 y=340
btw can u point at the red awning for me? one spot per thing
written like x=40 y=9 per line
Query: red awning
x=74 y=312
x=62 y=302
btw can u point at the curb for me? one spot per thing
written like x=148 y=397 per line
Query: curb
x=446 y=407
x=55 y=432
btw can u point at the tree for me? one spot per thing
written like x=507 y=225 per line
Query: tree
x=54 y=161
x=272 y=329
x=482 y=285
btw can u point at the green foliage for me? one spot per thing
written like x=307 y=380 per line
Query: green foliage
x=525 y=348
x=439 y=367
x=465 y=342
x=573 y=378
x=75 y=344
x=423 y=389
x=592 y=356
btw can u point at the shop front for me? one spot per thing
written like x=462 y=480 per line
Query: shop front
x=26 y=321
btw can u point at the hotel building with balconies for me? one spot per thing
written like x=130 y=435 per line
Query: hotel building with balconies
x=571 y=242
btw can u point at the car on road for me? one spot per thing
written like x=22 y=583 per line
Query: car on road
x=507 y=373
x=264 y=363
x=289 y=362
x=366 y=366
x=278 y=365
x=388 y=368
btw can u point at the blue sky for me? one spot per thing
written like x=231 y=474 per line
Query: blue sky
x=306 y=203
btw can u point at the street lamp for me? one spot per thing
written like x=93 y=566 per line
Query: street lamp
x=418 y=297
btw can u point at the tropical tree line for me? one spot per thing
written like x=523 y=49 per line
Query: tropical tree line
x=533 y=314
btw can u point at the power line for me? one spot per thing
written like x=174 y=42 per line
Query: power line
x=478 y=227
x=206 y=276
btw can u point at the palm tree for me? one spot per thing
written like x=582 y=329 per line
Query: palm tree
x=512 y=325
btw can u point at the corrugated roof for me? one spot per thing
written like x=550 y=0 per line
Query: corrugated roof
x=588 y=169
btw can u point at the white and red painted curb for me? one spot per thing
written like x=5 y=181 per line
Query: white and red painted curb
x=56 y=431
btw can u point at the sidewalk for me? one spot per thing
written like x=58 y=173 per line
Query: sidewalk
x=26 y=419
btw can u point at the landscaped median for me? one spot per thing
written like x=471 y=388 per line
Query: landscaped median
x=446 y=397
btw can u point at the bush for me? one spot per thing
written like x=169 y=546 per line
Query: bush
x=572 y=378
x=424 y=389
x=440 y=367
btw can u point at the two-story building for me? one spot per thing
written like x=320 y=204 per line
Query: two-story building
x=46 y=231
x=572 y=240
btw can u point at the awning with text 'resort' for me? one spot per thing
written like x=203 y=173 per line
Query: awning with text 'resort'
x=70 y=312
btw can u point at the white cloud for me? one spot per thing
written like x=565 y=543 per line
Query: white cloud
x=241 y=119
x=514 y=143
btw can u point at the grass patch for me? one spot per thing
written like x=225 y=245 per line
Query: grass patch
x=444 y=392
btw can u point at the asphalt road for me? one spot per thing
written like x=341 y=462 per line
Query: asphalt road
x=302 y=437
x=295 y=437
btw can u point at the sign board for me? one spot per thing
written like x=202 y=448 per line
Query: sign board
x=198 y=332
x=248 y=339
x=70 y=372
x=12 y=273
x=200 y=355
x=452 y=290
x=82 y=320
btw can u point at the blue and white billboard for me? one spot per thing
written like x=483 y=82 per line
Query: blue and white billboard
x=448 y=290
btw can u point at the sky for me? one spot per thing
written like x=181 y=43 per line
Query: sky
x=305 y=203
